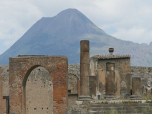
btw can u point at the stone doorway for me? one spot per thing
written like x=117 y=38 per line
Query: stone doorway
x=39 y=92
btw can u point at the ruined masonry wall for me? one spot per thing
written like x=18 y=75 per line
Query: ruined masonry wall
x=73 y=78
x=144 y=72
x=122 y=68
x=73 y=82
x=146 y=77
x=19 y=69
x=38 y=89
x=39 y=78
x=4 y=87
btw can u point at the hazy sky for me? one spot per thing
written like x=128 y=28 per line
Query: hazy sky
x=124 y=19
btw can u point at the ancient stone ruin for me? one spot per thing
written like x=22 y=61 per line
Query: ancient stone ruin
x=48 y=85
x=49 y=94
x=84 y=70
x=111 y=74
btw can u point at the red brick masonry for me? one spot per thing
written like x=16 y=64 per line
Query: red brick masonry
x=19 y=70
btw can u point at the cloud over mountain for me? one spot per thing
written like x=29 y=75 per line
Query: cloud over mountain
x=61 y=35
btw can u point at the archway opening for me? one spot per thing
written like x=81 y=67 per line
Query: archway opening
x=38 y=92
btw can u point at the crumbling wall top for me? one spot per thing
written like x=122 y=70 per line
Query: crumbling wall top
x=111 y=57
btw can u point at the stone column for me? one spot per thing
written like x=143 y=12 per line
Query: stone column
x=110 y=81
x=84 y=70
x=136 y=88
x=128 y=84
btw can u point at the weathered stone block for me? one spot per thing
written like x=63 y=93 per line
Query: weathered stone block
x=136 y=86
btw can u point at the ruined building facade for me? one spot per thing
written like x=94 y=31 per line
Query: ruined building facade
x=110 y=75
x=39 y=79
x=48 y=85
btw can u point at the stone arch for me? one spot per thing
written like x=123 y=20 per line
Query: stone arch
x=73 y=77
x=20 y=68
x=28 y=73
x=24 y=85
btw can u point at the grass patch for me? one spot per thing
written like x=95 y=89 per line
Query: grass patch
x=147 y=97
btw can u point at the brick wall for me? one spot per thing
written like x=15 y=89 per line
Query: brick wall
x=4 y=87
x=19 y=70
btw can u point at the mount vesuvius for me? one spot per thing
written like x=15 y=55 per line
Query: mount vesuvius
x=61 y=35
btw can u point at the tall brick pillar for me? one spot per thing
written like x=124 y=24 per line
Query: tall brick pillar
x=136 y=88
x=84 y=70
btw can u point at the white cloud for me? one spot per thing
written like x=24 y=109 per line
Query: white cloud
x=15 y=18
x=129 y=19
x=134 y=34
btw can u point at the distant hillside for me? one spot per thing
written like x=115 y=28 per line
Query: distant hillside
x=61 y=35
